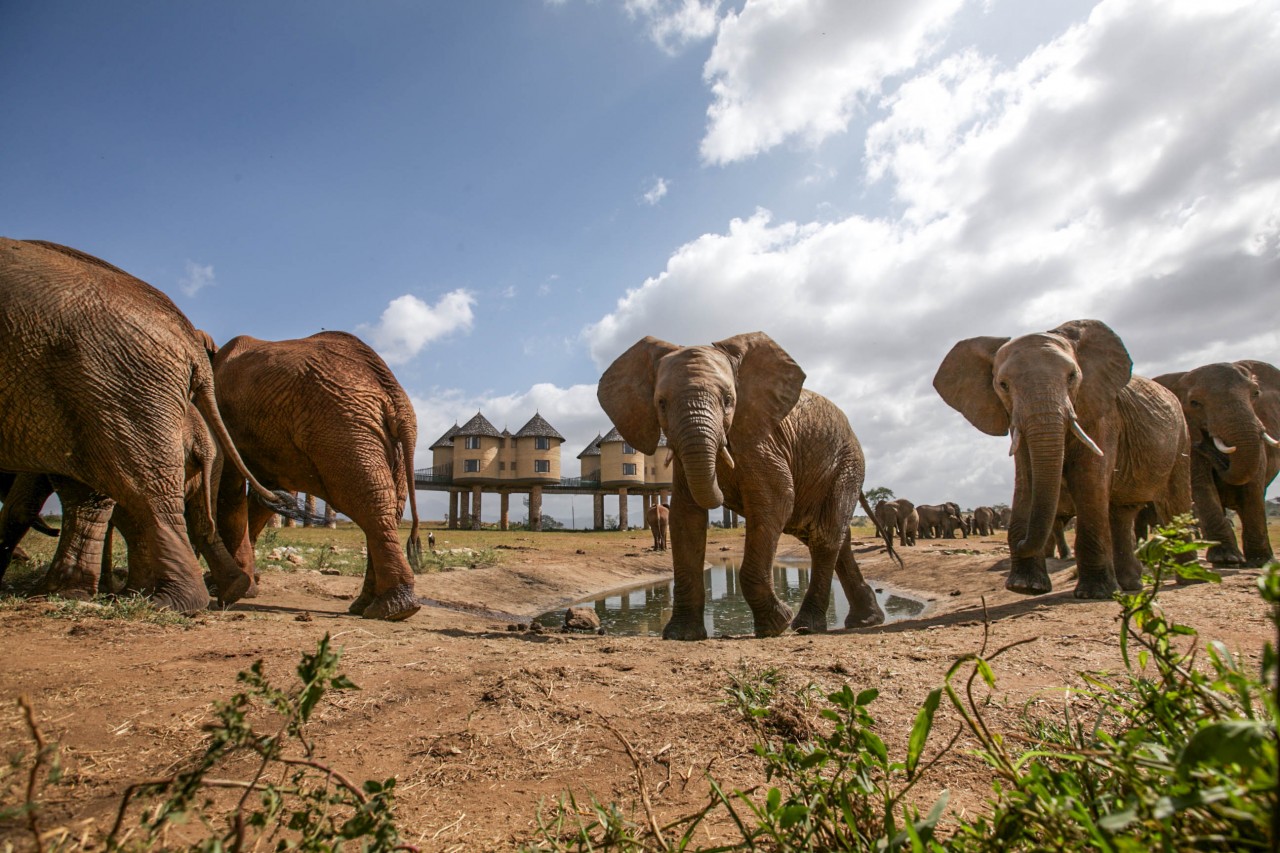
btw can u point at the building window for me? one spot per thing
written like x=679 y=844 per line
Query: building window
x=471 y=466
x=541 y=442
x=542 y=466
x=473 y=442
x=628 y=449
x=628 y=469
x=502 y=466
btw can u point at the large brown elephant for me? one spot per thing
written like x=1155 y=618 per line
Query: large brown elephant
x=659 y=518
x=897 y=516
x=744 y=434
x=99 y=371
x=1076 y=415
x=1233 y=413
x=941 y=521
x=324 y=415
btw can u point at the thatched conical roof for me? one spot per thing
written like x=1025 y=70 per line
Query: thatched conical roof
x=592 y=449
x=479 y=425
x=445 y=440
x=538 y=426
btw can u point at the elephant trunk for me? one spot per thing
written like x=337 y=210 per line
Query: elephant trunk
x=1046 y=443
x=699 y=442
x=1244 y=463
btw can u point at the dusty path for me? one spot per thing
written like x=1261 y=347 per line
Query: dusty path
x=479 y=724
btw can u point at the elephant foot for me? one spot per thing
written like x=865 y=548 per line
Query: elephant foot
x=1129 y=578
x=1257 y=559
x=1224 y=556
x=187 y=599
x=775 y=619
x=1097 y=586
x=79 y=586
x=1029 y=577
x=685 y=628
x=864 y=618
x=393 y=605
x=809 y=621
x=231 y=588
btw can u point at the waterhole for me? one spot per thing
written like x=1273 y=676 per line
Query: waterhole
x=644 y=610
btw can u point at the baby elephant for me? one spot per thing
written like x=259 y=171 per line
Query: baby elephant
x=659 y=519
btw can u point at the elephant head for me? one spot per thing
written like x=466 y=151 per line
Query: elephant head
x=1220 y=403
x=1043 y=390
x=707 y=400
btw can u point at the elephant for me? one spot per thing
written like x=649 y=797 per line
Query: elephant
x=745 y=434
x=100 y=369
x=1005 y=516
x=23 y=496
x=898 y=516
x=81 y=564
x=940 y=521
x=659 y=518
x=984 y=521
x=324 y=415
x=1233 y=413
x=1079 y=421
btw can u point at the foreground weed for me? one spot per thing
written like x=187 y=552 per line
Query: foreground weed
x=1176 y=753
x=289 y=800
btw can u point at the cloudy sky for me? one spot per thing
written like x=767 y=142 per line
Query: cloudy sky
x=502 y=197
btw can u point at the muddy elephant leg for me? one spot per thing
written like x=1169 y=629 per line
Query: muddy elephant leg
x=864 y=610
x=77 y=562
x=770 y=615
x=1096 y=574
x=689 y=551
x=162 y=563
x=388 y=589
x=813 y=610
x=1123 y=544
x=1253 y=525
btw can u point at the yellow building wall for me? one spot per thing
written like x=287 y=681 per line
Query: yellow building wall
x=526 y=453
x=487 y=454
x=611 y=461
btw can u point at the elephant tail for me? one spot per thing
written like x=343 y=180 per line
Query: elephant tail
x=883 y=534
x=405 y=431
x=206 y=403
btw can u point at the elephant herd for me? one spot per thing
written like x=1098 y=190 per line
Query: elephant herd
x=141 y=423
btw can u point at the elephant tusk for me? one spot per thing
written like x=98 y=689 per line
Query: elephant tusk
x=671 y=455
x=1223 y=446
x=1084 y=437
x=1269 y=440
x=1013 y=441
x=725 y=457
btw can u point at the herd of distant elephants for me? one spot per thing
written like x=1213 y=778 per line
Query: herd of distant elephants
x=143 y=424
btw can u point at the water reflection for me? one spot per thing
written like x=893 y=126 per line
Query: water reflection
x=645 y=610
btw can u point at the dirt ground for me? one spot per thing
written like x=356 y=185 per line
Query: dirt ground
x=481 y=724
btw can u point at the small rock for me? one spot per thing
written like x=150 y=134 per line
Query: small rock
x=580 y=551
x=304 y=616
x=330 y=572
x=517 y=626
x=296 y=559
x=535 y=628
x=954 y=592
x=581 y=619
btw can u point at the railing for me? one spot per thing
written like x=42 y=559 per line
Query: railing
x=438 y=474
x=580 y=482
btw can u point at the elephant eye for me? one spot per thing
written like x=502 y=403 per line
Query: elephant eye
x=1257 y=392
x=1004 y=386
x=1195 y=404
x=728 y=401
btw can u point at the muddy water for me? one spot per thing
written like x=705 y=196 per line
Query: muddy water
x=644 y=610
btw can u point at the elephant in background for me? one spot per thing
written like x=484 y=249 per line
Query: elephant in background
x=100 y=369
x=23 y=496
x=324 y=415
x=898 y=516
x=940 y=521
x=1005 y=517
x=984 y=521
x=1079 y=420
x=1233 y=414
x=744 y=434
x=659 y=518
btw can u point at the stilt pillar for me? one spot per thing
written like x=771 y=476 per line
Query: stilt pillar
x=597 y=511
x=646 y=501
x=453 y=510
x=535 y=508
x=503 y=505
x=623 y=524
x=476 y=492
x=330 y=517
x=310 y=505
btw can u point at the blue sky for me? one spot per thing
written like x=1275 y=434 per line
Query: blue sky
x=503 y=196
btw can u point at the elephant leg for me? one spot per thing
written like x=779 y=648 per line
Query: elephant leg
x=21 y=512
x=689 y=550
x=1213 y=518
x=365 y=598
x=1096 y=574
x=864 y=610
x=162 y=563
x=106 y=581
x=77 y=562
x=812 y=616
x=1253 y=523
x=1123 y=544
x=771 y=615
x=1027 y=575
x=388 y=576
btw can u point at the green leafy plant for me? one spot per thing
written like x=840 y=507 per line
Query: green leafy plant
x=290 y=800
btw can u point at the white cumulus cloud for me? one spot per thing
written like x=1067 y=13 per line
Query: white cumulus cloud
x=196 y=278
x=673 y=24
x=656 y=193
x=408 y=324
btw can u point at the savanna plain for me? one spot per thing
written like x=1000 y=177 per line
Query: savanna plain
x=485 y=723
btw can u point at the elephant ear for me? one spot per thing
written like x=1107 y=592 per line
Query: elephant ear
x=626 y=390
x=768 y=384
x=964 y=382
x=1172 y=381
x=1105 y=366
x=206 y=340
x=1266 y=375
